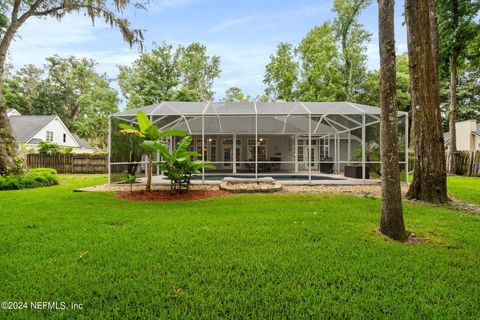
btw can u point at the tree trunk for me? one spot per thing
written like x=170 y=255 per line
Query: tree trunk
x=434 y=33
x=452 y=115
x=8 y=141
x=148 y=186
x=453 y=97
x=391 y=222
x=429 y=179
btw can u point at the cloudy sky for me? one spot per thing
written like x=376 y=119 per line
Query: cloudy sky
x=243 y=33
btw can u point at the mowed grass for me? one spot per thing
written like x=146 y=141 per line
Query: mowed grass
x=464 y=188
x=248 y=256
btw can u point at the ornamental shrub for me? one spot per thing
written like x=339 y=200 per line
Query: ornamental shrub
x=34 y=178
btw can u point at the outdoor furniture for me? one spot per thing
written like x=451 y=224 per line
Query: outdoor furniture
x=326 y=167
x=275 y=166
x=356 y=172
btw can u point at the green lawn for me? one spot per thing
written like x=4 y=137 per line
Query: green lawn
x=248 y=256
x=465 y=188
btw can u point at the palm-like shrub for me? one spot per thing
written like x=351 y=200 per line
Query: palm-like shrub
x=151 y=139
x=179 y=165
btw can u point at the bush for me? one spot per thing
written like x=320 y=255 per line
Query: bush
x=49 y=147
x=35 y=178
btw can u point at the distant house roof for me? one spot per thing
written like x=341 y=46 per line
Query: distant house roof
x=25 y=127
x=83 y=144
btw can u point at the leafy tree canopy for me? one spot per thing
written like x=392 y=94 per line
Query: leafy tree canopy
x=235 y=94
x=69 y=87
x=167 y=73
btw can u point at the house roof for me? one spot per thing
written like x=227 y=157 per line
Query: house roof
x=25 y=127
x=83 y=144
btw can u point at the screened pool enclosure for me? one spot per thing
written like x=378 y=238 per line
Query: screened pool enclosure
x=303 y=140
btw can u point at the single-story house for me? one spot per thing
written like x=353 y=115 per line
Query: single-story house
x=30 y=130
x=299 y=139
x=468 y=136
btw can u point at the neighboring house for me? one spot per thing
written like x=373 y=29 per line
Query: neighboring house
x=468 y=136
x=12 y=112
x=31 y=130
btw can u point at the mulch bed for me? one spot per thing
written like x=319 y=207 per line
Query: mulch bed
x=164 y=195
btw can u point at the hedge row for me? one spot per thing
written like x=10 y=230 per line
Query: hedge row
x=34 y=178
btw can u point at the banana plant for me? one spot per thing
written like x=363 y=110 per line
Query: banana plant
x=151 y=138
x=178 y=165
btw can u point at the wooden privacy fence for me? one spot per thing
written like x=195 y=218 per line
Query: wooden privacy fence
x=69 y=163
x=468 y=163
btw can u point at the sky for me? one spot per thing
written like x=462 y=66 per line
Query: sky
x=243 y=33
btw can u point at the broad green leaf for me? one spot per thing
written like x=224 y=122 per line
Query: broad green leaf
x=152 y=132
x=143 y=121
x=164 y=152
x=182 y=145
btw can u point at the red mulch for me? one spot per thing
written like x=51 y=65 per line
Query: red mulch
x=164 y=195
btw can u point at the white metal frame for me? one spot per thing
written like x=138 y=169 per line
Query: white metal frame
x=338 y=128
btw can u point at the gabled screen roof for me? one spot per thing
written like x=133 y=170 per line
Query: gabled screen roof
x=252 y=108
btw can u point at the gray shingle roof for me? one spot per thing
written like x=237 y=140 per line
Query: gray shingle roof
x=25 y=127
x=83 y=144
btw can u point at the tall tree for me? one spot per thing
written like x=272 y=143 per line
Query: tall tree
x=14 y=14
x=391 y=222
x=370 y=92
x=352 y=39
x=429 y=179
x=320 y=68
x=152 y=78
x=457 y=27
x=281 y=74
x=199 y=70
x=21 y=88
x=69 y=87
x=468 y=90
x=167 y=73
x=235 y=94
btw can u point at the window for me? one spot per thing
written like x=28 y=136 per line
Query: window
x=261 y=147
x=228 y=151
x=324 y=148
x=49 y=136
x=210 y=150
x=64 y=137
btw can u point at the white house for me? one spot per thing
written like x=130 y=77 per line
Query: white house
x=468 y=136
x=30 y=130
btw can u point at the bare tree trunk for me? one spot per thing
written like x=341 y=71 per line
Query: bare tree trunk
x=452 y=115
x=453 y=97
x=429 y=179
x=391 y=222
